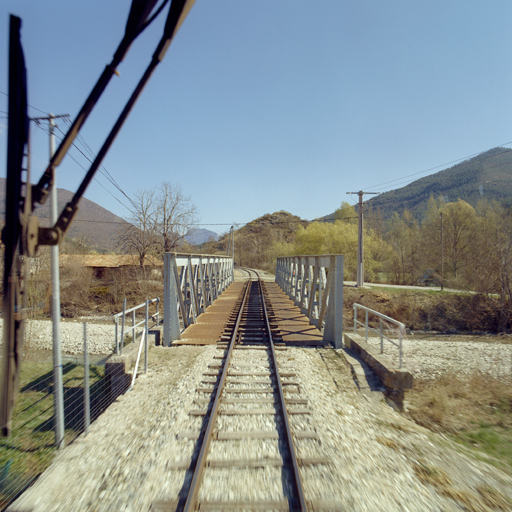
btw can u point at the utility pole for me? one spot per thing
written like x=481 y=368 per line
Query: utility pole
x=58 y=398
x=442 y=253
x=228 y=252
x=360 y=250
x=233 y=244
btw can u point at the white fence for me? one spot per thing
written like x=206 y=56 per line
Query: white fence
x=315 y=284
x=191 y=283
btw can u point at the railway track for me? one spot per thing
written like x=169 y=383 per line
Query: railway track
x=245 y=457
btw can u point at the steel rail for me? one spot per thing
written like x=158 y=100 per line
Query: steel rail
x=249 y=270
x=291 y=449
x=195 y=484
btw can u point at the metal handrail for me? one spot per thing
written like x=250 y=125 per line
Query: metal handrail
x=401 y=328
x=122 y=316
x=143 y=343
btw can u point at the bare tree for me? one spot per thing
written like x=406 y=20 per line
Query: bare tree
x=175 y=215
x=139 y=236
x=158 y=223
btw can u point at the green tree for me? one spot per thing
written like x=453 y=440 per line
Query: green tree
x=337 y=238
x=430 y=238
x=346 y=212
x=403 y=238
x=459 y=228
x=491 y=265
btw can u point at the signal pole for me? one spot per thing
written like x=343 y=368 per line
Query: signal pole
x=58 y=397
x=360 y=249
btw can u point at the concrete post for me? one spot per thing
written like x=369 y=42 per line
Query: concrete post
x=58 y=393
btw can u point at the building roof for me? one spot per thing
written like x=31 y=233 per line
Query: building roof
x=108 y=260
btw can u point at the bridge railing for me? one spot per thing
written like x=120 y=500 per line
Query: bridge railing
x=315 y=284
x=122 y=330
x=191 y=283
x=382 y=318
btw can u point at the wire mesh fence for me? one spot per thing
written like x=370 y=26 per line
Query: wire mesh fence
x=93 y=376
x=31 y=446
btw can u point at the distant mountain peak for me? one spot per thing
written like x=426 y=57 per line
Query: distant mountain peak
x=197 y=236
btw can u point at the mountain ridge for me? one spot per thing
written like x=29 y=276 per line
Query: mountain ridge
x=485 y=176
x=96 y=224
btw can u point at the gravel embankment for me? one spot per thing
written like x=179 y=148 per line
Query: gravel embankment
x=100 y=336
x=425 y=358
x=379 y=460
x=428 y=359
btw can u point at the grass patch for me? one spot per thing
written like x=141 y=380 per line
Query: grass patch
x=475 y=412
x=30 y=448
x=487 y=496
x=493 y=440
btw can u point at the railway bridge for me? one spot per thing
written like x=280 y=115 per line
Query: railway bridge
x=251 y=406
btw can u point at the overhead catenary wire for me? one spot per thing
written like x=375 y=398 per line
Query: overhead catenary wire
x=103 y=169
x=95 y=179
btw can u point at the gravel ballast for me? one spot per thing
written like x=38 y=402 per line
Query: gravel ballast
x=378 y=460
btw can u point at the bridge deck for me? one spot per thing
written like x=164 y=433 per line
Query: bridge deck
x=291 y=324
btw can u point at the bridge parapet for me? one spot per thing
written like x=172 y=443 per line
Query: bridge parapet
x=315 y=284
x=191 y=283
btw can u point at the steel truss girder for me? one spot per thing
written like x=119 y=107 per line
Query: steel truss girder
x=191 y=283
x=315 y=284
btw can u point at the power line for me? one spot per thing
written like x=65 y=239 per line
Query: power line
x=35 y=108
x=441 y=165
x=84 y=169
x=91 y=221
x=102 y=169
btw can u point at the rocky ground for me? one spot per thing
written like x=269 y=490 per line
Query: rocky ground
x=379 y=461
x=430 y=357
x=426 y=357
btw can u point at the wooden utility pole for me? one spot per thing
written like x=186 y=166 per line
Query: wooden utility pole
x=360 y=249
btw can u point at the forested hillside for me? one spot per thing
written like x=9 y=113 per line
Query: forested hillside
x=486 y=176
x=453 y=244
x=254 y=242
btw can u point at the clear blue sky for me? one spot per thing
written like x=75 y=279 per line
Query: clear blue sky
x=267 y=105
